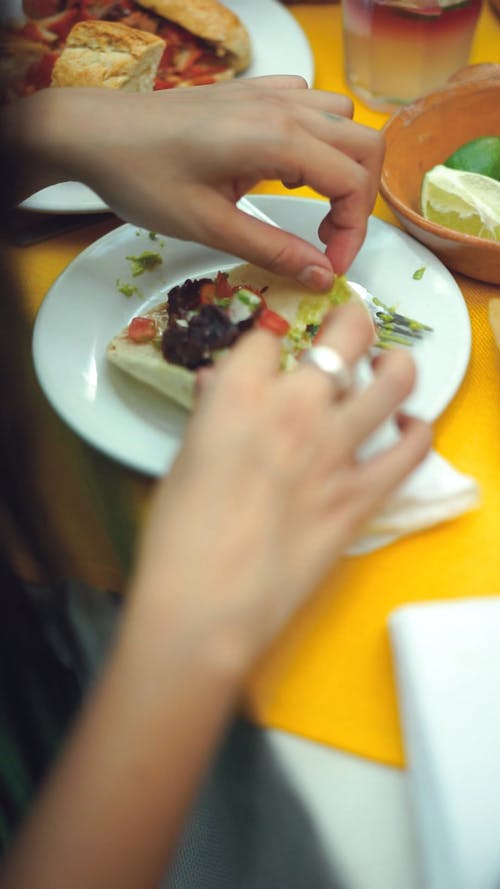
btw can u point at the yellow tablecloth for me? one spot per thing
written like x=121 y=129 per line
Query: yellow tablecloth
x=330 y=676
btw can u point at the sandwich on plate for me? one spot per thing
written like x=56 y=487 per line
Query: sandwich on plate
x=203 y=42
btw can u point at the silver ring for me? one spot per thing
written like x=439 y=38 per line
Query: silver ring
x=330 y=362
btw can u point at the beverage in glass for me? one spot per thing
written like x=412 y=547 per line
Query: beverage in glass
x=396 y=50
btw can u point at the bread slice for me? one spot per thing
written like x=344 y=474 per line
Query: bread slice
x=213 y=22
x=109 y=54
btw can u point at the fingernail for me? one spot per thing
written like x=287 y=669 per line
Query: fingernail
x=316 y=277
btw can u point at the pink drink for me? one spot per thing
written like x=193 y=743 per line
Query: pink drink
x=396 y=51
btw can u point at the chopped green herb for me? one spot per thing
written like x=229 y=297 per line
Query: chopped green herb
x=418 y=274
x=144 y=263
x=127 y=289
x=152 y=236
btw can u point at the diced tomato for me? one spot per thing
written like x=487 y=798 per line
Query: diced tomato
x=207 y=293
x=141 y=330
x=223 y=288
x=270 y=320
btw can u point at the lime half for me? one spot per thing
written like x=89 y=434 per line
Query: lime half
x=465 y=202
x=478 y=156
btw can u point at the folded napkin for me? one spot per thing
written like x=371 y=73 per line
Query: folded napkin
x=447 y=663
x=435 y=492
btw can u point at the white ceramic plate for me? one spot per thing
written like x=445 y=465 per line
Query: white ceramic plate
x=84 y=310
x=279 y=47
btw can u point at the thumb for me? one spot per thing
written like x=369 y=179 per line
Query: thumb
x=268 y=246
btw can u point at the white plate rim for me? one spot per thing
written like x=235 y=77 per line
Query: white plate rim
x=153 y=463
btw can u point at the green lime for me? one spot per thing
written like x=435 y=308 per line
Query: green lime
x=465 y=202
x=478 y=156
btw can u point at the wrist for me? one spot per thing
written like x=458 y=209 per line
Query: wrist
x=165 y=627
x=41 y=140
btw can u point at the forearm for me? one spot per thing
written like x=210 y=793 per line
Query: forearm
x=41 y=139
x=111 y=813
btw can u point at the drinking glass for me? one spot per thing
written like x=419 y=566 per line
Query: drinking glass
x=396 y=50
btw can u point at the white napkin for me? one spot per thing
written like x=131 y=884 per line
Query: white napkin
x=447 y=662
x=434 y=492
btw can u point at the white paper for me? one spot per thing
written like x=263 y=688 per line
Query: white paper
x=447 y=663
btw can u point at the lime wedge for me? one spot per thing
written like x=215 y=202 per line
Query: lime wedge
x=481 y=155
x=465 y=202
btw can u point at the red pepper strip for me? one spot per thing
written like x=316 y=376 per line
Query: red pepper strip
x=194 y=53
x=169 y=84
x=141 y=330
x=63 y=24
x=168 y=58
x=270 y=320
x=205 y=67
x=198 y=81
x=32 y=31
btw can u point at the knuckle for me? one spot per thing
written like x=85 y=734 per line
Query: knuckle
x=298 y=82
x=346 y=106
x=283 y=258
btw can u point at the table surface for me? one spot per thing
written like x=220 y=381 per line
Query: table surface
x=329 y=677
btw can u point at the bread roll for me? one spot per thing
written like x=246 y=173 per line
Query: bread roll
x=211 y=21
x=109 y=54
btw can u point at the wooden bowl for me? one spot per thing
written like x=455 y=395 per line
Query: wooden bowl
x=424 y=134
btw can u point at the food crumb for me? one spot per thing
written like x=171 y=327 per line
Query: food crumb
x=145 y=262
x=128 y=290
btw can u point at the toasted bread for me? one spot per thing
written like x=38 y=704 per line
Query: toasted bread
x=211 y=21
x=109 y=54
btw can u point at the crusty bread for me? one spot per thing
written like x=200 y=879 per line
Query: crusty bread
x=109 y=54
x=211 y=21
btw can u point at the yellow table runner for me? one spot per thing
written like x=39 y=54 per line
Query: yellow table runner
x=330 y=676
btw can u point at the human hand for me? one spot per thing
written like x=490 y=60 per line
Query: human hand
x=267 y=492
x=176 y=162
